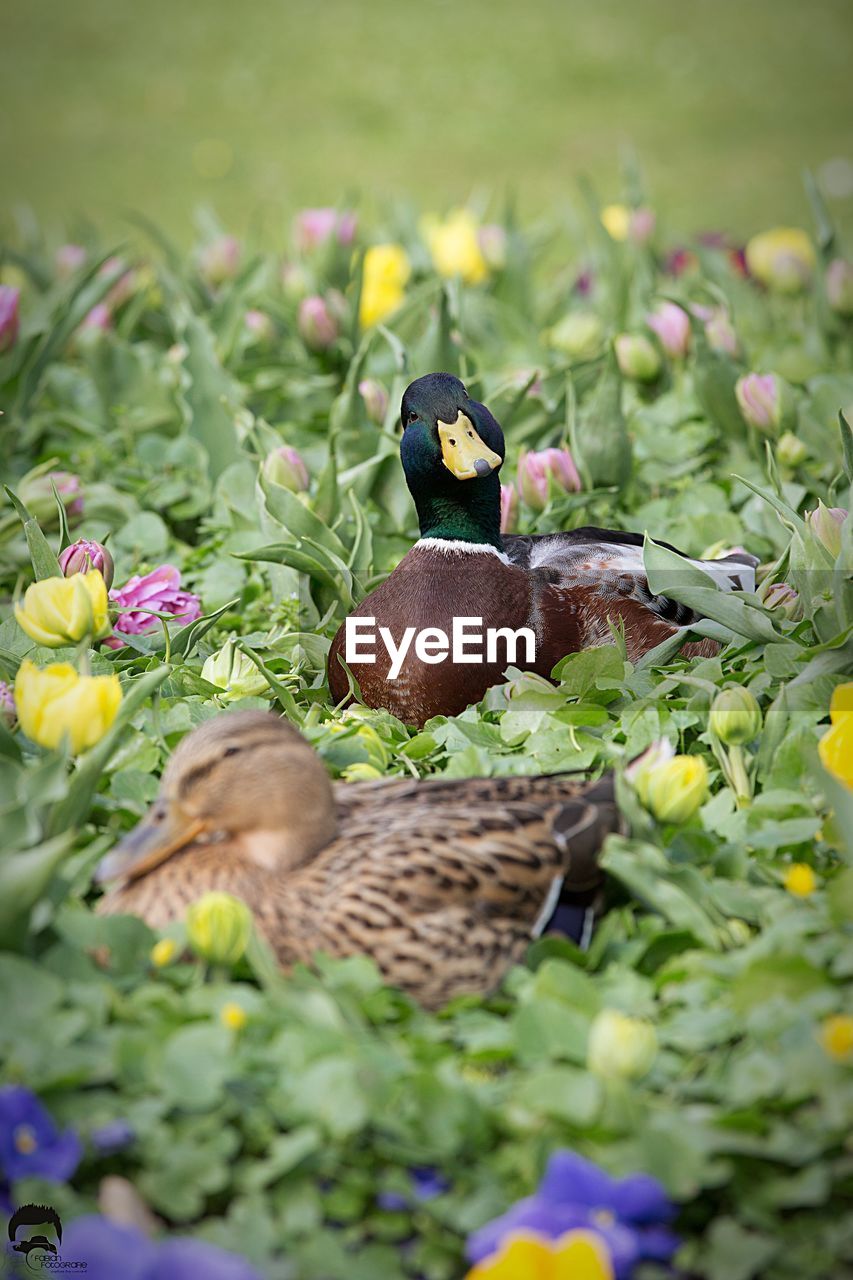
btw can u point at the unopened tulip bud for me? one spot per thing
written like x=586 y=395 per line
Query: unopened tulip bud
x=616 y=220
x=509 y=508
x=579 y=334
x=68 y=259
x=493 y=245
x=220 y=260
x=94 y=325
x=9 y=317
x=317 y=326
x=234 y=673
x=782 y=259
x=778 y=595
x=540 y=472
x=36 y=493
x=720 y=333
x=8 y=712
x=83 y=556
x=839 y=286
x=790 y=451
x=375 y=399
x=219 y=927
x=825 y=523
x=641 y=225
x=637 y=357
x=295 y=280
x=313 y=227
x=124 y=285
x=620 y=1047
x=260 y=328
x=671 y=789
x=285 y=467
x=765 y=401
x=671 y=323
x=735 y=716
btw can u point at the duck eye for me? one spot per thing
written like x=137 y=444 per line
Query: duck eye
x=411 y=416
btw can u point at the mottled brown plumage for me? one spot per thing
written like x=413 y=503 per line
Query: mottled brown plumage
x=444 y=883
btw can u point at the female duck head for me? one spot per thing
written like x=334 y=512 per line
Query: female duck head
x=452 y=450
x=244 y=781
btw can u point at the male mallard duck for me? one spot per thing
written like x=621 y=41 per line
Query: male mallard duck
x=444 y=883
x=565 y=588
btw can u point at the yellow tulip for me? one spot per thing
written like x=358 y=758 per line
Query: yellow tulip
x=836 y=1036
x=577 y=1255
x=55 y=702
x=218 y=927
x=782 y=258
x=62 y=611
x=163 y=952
x=800 y=880
x=454 y=246
x=672 y=790
x=385 y=272
x=616 y=220
x=836 y=746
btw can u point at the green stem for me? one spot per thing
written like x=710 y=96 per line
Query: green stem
x=739 y=775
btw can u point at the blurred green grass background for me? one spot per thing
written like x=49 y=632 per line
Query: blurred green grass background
x=257 y=108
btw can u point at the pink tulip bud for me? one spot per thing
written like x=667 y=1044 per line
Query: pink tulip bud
x=317 y=325
x=720 y=333
x=825 y=523
x=641 y=225
x=314 y=227
x=8 y=711
x=285 y=467
x=68 y=259
x=671 y=323
x=492 y=239
x=220 y=260
x=375 y=399
x=96 y=321
x=9 y=318
x=539 y=472
x=259 y=327
x=346 y=228
x=765 y=400
x=36 y=493
x=637 y=357
x=124 y=285
x=85 y=555
x=839 y=286
x=509 y=508
x=782 y=597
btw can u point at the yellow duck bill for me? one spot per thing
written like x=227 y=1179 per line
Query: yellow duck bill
x=155 y=839
x=463 y=452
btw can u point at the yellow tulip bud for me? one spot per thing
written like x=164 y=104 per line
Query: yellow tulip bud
x=218 y=927
x=56 y=702
x=782 y=258
x=836 y=746
x=360 y=772
x=735 y=716
x=673 y=790
x=619 y=1046
x=385 y=271
x=163 y=952
x=454 y=246
x=836 y=1036
x=62 y=611
x=616 y=220
x=800 y=880
x=233 y=1016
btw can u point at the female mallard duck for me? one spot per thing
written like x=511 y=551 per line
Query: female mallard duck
x=563 y=589
x=443 y=883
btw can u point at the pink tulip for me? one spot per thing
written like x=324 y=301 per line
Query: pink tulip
x=782 y=597
x=70 y=489
x=317 y=325
x=85 y=555
x=285 y=467
x=9 y=317
x=68 y=259
x=720 y=332
x=540 y=471
x=8 y=711
x=765 y=400
x=220 y=260
x=825 y=523
x=260 y=327
x=375 y=399
x=159 y=591
x=98 y=320
x=641 y=225
x=509 y=508
x=313 y=227
x=671 y=323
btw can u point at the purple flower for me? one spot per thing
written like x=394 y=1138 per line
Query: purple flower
x=68 y=259
x=85 y=554
x=540 y=471
x=317 y=325
x=630 y=1214
x=111 y=1137
x=9 y=300
x=159 y=591
x=426 y=1184
x=671 y=323
x=31 y=1146
x=110 y=1250
x=584 y=284
x=8 y=711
